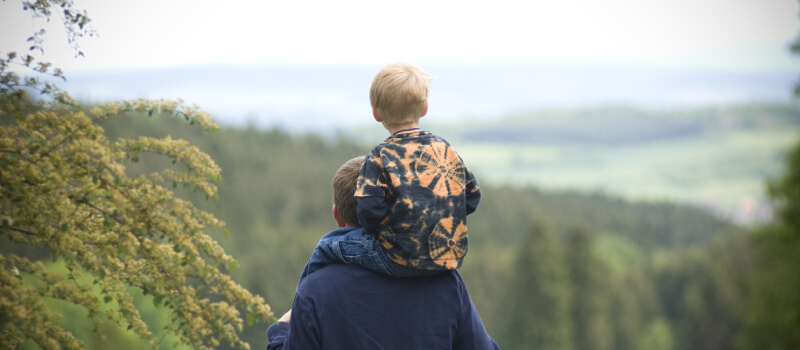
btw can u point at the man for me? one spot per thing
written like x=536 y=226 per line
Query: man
x=343 y=306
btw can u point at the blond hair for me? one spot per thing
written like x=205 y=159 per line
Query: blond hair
x=344 y=190
x=399 y=93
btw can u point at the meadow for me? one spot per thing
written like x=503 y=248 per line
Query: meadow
x=718 y=158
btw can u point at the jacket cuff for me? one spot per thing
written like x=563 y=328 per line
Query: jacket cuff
x=276 y=335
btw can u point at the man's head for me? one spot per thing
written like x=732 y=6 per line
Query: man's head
x=344 y=190
x=399 y=94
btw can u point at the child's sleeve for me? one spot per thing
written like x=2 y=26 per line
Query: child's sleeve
x=371 y=211
x=370 y=196
x=473 y=191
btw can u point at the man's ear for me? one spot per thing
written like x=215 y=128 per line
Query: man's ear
x=339 y=221
x=377 y=117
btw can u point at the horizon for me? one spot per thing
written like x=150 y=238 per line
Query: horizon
x=314 y=97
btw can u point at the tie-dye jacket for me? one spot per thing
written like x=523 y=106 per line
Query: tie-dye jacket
x=415 y=192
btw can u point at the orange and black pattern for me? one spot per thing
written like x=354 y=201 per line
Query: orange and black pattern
x=428 y=192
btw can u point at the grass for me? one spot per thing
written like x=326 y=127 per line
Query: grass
x=721 y=169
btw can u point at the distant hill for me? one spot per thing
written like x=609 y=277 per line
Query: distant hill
x=624 y=125
x=715 y=157
x=316 y=98
x=708 y=138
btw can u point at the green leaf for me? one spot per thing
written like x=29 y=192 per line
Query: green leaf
x=250 y=319
x=232 y=265
x=107 y=299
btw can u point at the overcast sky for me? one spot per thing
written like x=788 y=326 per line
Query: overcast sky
x=722 y=34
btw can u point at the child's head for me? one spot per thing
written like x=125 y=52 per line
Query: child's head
x=344 y=190
x=399 y=94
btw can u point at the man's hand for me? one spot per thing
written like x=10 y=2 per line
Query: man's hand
x=286 y=316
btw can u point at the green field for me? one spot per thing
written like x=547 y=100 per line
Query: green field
x=721 y=162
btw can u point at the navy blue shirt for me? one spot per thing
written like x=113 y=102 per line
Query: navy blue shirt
x=347 y=307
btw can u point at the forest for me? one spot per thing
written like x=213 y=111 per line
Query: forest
x=546 y=269
x=123 y=227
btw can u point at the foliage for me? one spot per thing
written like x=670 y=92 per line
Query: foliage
x=64 y=187
x=76 y=25
x=109 y=333
x=772 y=309
x=539 y=294
x=785 y=192
x=275 y=195
x=65 y=193
x=590 y=304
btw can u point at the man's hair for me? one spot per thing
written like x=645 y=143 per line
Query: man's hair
x=344 y=190
x=398 y=93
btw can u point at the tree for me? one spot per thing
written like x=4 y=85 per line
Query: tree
x=76 y=26
x=772 y=307
x=64 y=189
x=590 y=299
x=538 y=317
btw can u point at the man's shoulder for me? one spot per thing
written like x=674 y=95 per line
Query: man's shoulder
x=339 y=274
x=347 y=277
x=357 y=271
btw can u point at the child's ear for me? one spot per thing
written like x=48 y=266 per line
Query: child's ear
x=375 y=114
x=425 y=111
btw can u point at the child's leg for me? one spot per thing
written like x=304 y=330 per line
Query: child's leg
x=366 y=251
x=358 y=248
x=325 y=253
x=353 y=246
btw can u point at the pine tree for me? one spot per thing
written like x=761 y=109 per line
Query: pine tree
x=772 y=310
x=539 y=295
x=590 y=301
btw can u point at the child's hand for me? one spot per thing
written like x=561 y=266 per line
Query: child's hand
x=286 y=316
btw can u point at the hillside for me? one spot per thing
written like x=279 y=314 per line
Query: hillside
x=714 y=157
x=275 y=200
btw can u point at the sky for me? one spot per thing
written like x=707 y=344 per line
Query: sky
x=741 y=35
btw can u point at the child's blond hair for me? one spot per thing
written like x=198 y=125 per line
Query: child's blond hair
x=399 y=93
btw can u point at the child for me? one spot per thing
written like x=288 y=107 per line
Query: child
x=413 y=193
